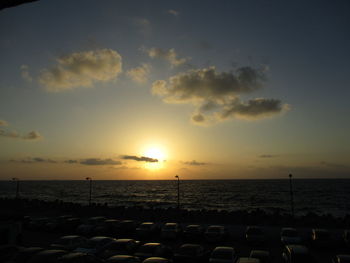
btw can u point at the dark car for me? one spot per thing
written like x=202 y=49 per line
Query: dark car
x=24 y=254
x=108 y=227
x=296 y=254
x=123 y=246
x=153 y=250
x=191 y=253
x=216 y=233
x=69 y=242
x=254 y=234
x=95 y=245
x=77 y=257
x=171 y=231
x=47 y=256
x=321 y=238
x=193 y=232
x=263 y=255
x=123 y=259
x=146 y=230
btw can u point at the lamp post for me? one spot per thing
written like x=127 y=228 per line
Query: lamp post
x=90 y=180
x=17 y=186
x=291 y=195
x=178 y=191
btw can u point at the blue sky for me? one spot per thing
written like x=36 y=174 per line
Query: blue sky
x=301 y=126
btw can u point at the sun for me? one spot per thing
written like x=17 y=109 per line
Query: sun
x=155 y=152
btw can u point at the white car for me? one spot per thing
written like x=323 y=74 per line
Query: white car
x=290 y=236
x=223 y=255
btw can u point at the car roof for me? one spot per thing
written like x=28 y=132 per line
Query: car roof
x=124 y=240
x=151 y=244
x=288 y=228
x=248 y=260
x=298 y=249
x=99 y=238
x=70 y=237
x=156 y=259
x=191 y=245
x=224 y=249
x=257 y=252
x=147 y=223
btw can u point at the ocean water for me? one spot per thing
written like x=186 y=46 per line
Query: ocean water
x=310 y=195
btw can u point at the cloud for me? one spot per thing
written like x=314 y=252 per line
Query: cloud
x=216 y=95
x=139 y=74
x=71 y=161
x=267 y=156
x=33 y=135
x=173 y=12
x=98 y=161
x=139 y=159
x=33 y=160
x=333 y=165
x=169 y=55
x=25 y=73
x=144 y=25
x=81 y=69
x=3 y=123
x=195 y=163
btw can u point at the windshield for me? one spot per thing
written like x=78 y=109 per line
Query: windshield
x=289 y=233
x=222 y=254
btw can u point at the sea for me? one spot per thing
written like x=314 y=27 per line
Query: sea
x=320 y=196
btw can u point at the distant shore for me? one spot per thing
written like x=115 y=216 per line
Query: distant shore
x=15 y=209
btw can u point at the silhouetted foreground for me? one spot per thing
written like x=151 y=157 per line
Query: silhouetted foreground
x=35 y=231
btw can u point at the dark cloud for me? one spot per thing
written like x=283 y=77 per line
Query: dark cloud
x=173 y=12
x=268 y=156
x=71 y=161
x=139 y=159
x=82 y=69
x=33 y=135
x=98 y=161
x=33 y=160
x=195 y=163
x=216 y=94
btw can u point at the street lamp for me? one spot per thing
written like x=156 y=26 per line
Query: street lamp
x=178 y=191
x=90 y=179
x=291 y=195
x=17 y=186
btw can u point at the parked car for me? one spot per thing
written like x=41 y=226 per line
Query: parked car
x=215 y=233
x=190 y=253
x=123 y=259
x=290 y=236
x=108 y=227
x=77 y=257
x=248 y=260
x=341 y=259
x=153 y=250
x=126 y=228
x=123 y=246
x=254 y=234
x=24 y=254
x=47 y=256
x=157 y=260
x=296 y=254
x=95 y=245
x=146 y=230
x=88 y=228
x=223 y=255
x=171 y=231
x=262 y=255
x=69 y=242
x=193 y=232
x=321 y=238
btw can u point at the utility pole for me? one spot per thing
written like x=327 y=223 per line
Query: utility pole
x=178 y=191
x=90 y=192
x=291 y=195
x=17 y=186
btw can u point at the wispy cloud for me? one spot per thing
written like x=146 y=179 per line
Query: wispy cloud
x=195 y=163
x=140 y=73
x=268 y=156
x=3 y=123
x=139 y=158
x=81 y=69
x=33 y=160
x=173 y=12
x=216 y=95
x=33 y=135
x=98 y=161
x=169 y=55
x=144 y=25
x=25 y=73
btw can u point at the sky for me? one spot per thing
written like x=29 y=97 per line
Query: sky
x=145 y=90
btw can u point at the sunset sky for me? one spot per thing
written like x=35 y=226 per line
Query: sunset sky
x=151 y=89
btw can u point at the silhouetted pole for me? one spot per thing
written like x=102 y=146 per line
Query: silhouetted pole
x=90 y=182
x=291 y=195
x=178 y=191
x=17 y=186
